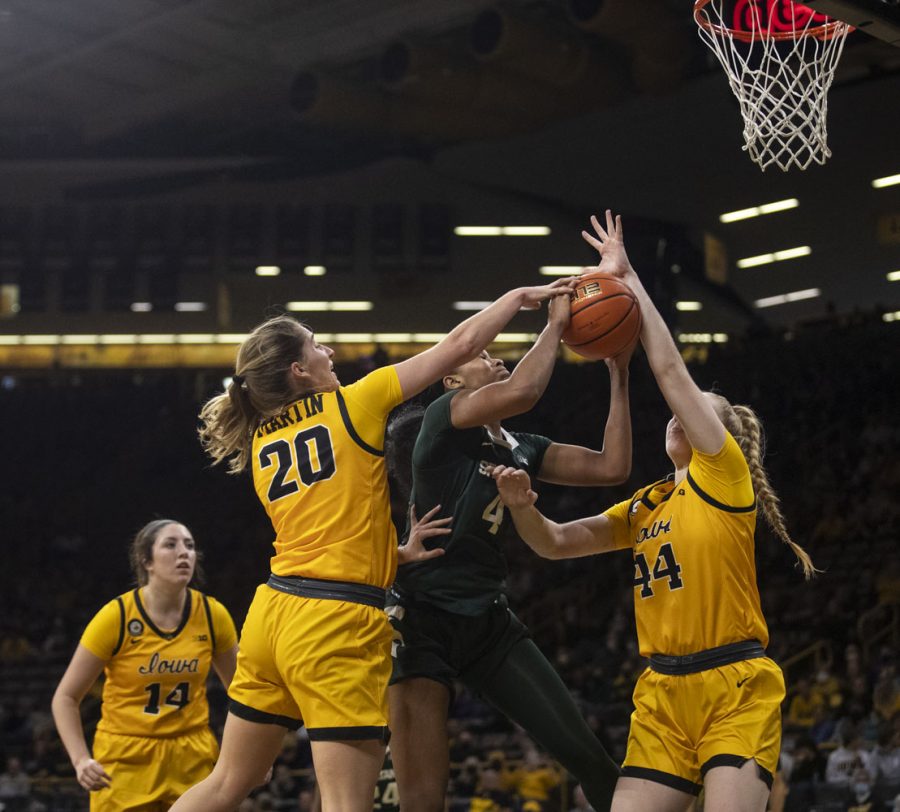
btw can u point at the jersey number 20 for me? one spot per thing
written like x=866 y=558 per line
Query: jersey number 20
x=665 y=567
x=314 y=461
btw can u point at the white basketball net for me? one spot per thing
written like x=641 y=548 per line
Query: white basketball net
x=780 y=70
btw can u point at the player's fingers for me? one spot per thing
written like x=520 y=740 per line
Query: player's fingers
x=430 y=513
x=436 y=531
x=592 y=240
x=610 y=222
x=619 y=226
x=598 y=228
x=412 y=514
x=437 y=522
x=437 y=552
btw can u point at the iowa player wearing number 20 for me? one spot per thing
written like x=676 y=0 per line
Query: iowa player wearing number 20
x=450 y=612
x=155 y=645
x=315 y=646
x=708 y=707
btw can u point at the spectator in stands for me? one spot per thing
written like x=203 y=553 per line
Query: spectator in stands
x=15 y=785
x=886 y=695
x=850 y=756
x=886 y=758
x=534 y=779
x=806 y=767
x=805 y=705
x=155 y=645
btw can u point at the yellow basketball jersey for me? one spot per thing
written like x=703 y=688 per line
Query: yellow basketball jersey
x=156 y=679
x=695 y=574
x=318 y=469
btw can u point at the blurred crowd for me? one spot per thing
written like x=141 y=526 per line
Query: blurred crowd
x=97 y=454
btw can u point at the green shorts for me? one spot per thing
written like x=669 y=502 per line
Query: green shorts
x=444 y=646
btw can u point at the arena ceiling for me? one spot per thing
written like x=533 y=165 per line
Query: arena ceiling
x=647 y=126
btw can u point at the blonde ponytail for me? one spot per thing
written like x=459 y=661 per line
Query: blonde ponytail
x=746 y=427
x=259 y=389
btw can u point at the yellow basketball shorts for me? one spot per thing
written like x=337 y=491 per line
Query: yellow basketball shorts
x=150 y=774
x=322 y=663
x=685 y=725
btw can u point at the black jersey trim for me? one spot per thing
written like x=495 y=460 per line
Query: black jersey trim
x=349 y=734
x=716 y=504
x=121 y=626
x=209 y=621
x=261 y=717
x=728 y=760
x=660 y=777
x=185 y=616
x=345 y=416
x=645 y=498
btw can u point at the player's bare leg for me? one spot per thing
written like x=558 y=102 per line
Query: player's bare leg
x=419 y=746
x=248 y=751
x=640 y=795
x=735 y=790
x=346 y=772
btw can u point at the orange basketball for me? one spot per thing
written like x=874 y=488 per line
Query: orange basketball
x=605 y=317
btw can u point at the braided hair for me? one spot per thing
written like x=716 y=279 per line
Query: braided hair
x=746 y=428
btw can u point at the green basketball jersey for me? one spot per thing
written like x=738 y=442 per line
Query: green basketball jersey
x=451 y=468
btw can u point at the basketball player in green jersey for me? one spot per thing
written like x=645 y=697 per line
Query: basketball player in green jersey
x=450 y=612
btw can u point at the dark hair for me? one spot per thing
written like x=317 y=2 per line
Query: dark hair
x=400 y=439
x=140 y=552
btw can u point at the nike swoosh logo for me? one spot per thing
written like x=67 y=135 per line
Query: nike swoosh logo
x=741 y=682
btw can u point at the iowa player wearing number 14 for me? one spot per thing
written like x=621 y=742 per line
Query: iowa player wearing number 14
x=155 y=644
x=708 y=708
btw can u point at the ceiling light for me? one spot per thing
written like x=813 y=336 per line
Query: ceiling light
x=526 y=231
x=156 y=338
x=80 y=339
x=504 y=231
x=310 y=307
x=118 y=338
x=893 y=276
x=314 y=270
x=40 y=340
x=560 y=270
x=895 y=316
x=890 y=180
x=515 y=338
x=478 y=231
x=267 y=270
x=775 y=256
x=190 y=307
x=784 y=298
x=353 y=338
x=141 y=307
x=756 y=211
x=470 y=305
x=196 y=338
x=695 y=338
x=10 y=340
x=686 y=306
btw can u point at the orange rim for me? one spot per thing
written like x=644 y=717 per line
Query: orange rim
x=823 y=31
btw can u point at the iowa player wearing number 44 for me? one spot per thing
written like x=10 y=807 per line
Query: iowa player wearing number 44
x=708 y=707
x=155 y=644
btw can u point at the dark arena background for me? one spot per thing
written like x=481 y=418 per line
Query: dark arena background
x=174 y=171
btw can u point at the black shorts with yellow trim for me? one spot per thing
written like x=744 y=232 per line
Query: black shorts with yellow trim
x=686 y=724
x=315 y=653
x=444 y=646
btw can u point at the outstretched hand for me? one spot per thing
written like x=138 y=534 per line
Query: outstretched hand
x=514 y=486
x=610 y=245
x=419 y=530
x=536 y=294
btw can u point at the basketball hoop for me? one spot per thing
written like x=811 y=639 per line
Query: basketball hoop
x=780 y=59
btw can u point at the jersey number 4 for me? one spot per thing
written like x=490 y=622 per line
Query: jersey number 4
x=310 y=458
x=178 y=697
x=665 y=567
x=493 y=514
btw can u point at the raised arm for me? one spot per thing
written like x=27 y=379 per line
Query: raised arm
x=695 y=412
x=82 y=673
x=524 y=387
x=548 y=539
x=470 y=337
x=577 y=465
